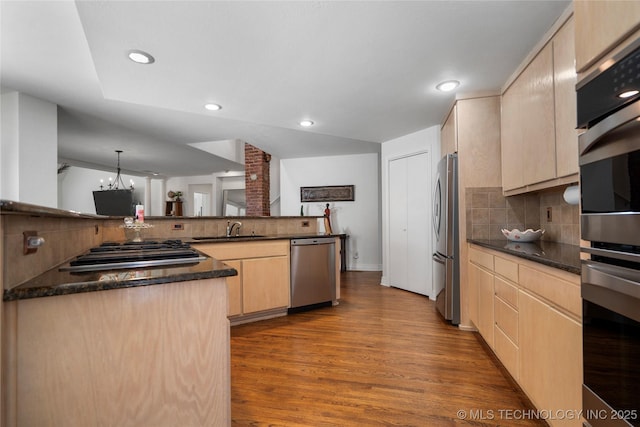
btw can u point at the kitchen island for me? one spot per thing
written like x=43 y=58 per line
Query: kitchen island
x=146 y=346
x=123 y=347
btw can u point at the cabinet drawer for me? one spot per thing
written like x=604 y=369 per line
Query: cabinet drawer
x=507 y=319
x=562 y=294
x=244 y=250
x=506 y=291
x=506 y=268
x=507 y=352
x=481 y=258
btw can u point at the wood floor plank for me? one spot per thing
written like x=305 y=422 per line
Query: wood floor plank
x=382 y=357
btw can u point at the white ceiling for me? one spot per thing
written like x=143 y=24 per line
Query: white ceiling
x=363 y=71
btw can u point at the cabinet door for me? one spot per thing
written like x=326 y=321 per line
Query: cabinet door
x=234 y=286
x=564 y=81
x=600 y=25
x=485 y=305
x=448 y=136
x=265 y=283
x=472 y=300
x=512 y=138
x=550 y=357
x=537 y=117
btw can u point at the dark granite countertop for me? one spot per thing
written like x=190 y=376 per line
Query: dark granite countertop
x=55 y=282
x=8 y=207
x=558 y=255
x=222 y=239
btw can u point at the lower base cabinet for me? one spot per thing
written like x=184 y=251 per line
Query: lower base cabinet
x=143 y=356
x=529 y=315
x=550 y=357
x=234 y=285
x=262 y=285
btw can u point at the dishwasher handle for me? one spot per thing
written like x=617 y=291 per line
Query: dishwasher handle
x=313 y=241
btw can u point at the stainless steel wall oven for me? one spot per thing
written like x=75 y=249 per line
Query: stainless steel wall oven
x=609 y=110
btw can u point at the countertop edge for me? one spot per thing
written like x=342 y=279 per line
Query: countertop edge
x=219 y=270
x=573 y=267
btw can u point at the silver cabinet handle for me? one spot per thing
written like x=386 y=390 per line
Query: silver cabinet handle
x=617 y=279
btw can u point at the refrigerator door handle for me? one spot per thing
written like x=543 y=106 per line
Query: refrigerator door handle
x=437 y=258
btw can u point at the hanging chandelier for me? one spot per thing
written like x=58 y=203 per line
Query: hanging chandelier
x=115 y=185
x=114 y=199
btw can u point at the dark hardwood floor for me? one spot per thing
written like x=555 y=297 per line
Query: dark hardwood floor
x=382 y=357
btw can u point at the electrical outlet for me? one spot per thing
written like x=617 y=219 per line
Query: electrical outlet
x=549 y=214
x=356 y=255
x=178 y=226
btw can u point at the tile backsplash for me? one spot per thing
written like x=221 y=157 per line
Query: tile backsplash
x=488 y=211
x=564 y=226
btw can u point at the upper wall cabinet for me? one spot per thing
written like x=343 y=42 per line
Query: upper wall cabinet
x=600 y=26
x=564 y=84
x=539 y=140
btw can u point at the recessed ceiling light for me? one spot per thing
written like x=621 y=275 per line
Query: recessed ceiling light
x=141 y=57
x=213 y=107
x=448 y=86
x=306 y=123
x=628 y=94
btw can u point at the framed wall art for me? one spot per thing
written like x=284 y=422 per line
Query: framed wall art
x=328 y=193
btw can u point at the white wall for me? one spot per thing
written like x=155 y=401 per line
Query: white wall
x=359 y=219
x=29 y=152
x=76 y=186
x=424 y=140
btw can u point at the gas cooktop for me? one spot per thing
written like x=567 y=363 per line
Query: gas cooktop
x=117 y=256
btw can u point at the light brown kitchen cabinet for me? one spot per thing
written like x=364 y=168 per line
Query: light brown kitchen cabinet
x=536 y=329
x=539 y=140
x=147 y=356
x=600 y=26
x=481 y=299
x=234 y=285
x=485 y=306
x=564 y=86
x=265 y=283
x=528 y=139
x=512 y=137
x=539 y=148
x=475 y=123
x=448 y=136
x=550 y=357
x=261 y=289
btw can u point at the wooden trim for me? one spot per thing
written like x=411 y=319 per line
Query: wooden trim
x=253 y=317
x=545 y=185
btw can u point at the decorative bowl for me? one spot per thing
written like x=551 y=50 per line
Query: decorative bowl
x=529 y=235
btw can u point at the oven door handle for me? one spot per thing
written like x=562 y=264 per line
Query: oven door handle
x=618 y=279
x=625 y=117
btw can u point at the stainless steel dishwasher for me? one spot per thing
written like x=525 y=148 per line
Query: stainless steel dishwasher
x=313 y=272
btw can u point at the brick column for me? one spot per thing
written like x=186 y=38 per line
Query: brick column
x=256 y=163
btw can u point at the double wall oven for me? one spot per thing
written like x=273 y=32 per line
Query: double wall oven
x=609 y=111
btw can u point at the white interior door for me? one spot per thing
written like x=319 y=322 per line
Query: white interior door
x=419 y=223
x=398 y=205
x=410 y=234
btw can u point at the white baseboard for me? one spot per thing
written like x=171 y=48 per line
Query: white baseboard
x=364 y=267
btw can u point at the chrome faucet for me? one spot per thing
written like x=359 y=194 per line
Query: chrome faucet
x=230 y=228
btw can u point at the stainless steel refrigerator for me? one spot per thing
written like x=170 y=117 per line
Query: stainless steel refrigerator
x=446 y=259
